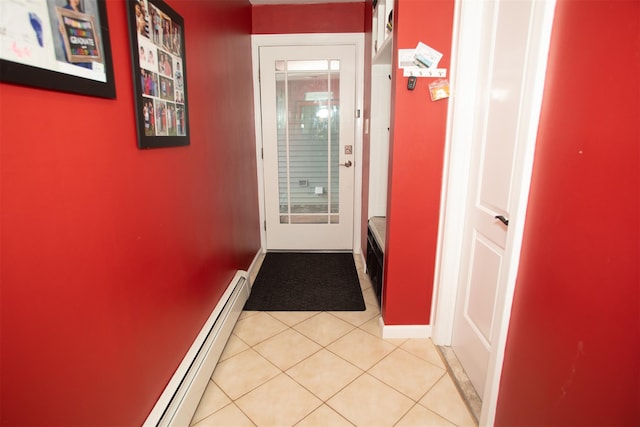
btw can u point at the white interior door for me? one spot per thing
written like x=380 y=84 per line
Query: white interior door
x=508 y=62
x=308 y=133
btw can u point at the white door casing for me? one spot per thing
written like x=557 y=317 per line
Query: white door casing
x=500 y=54
x=300 y=236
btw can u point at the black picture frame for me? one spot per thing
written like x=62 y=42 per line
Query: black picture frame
x=48 y=45
x=159 y=74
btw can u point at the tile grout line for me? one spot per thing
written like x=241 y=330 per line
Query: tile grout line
x=352 y=327
x=364 y=371
x=324 y=347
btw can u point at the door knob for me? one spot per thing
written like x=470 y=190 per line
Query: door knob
x=502 y=219
x=347 y=164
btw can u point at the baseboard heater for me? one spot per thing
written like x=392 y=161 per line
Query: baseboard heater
x=180 y=398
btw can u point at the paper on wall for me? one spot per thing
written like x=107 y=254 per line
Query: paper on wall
x=412 y=67
x=426 y=56
x=422 y=56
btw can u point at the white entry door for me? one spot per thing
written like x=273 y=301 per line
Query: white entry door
x=510 y=61
x=308 y=132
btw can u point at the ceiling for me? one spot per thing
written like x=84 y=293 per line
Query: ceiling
x=302 y=1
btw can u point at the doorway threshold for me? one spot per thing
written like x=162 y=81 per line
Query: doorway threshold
x=462 y=381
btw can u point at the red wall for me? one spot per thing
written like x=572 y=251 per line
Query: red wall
x=418 y=130
x=309 y=18
x=113 y=257
x=573 y=350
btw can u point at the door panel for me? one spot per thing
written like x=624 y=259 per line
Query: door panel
x=308 y=108
x=486 y=262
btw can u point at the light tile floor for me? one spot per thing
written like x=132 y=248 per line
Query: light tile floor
x=328 y=369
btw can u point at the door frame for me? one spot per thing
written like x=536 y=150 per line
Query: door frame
x=320 y=39
x=465 y=49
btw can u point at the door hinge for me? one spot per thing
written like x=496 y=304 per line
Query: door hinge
x=265 y=225
x=262 y=153
x=358 y=113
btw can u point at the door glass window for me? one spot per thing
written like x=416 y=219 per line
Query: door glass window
x=308 y=141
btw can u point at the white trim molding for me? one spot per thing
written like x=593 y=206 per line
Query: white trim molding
x=252 y=271
x=404 y=331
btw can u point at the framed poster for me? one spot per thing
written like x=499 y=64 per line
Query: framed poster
x=57 y=44
x=159 y=74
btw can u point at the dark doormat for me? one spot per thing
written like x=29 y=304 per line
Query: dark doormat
x=290 y=281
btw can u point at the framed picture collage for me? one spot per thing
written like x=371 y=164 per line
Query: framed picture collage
x=157 y=34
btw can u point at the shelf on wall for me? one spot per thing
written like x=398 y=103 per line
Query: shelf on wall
x=380 y=34
x=384 y=53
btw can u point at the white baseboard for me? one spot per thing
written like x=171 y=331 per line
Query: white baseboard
x=363 y=259
x=404 y=331
x=181 y=396
x=252 y=271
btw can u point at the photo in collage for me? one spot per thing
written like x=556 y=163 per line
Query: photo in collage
x=161 y=71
